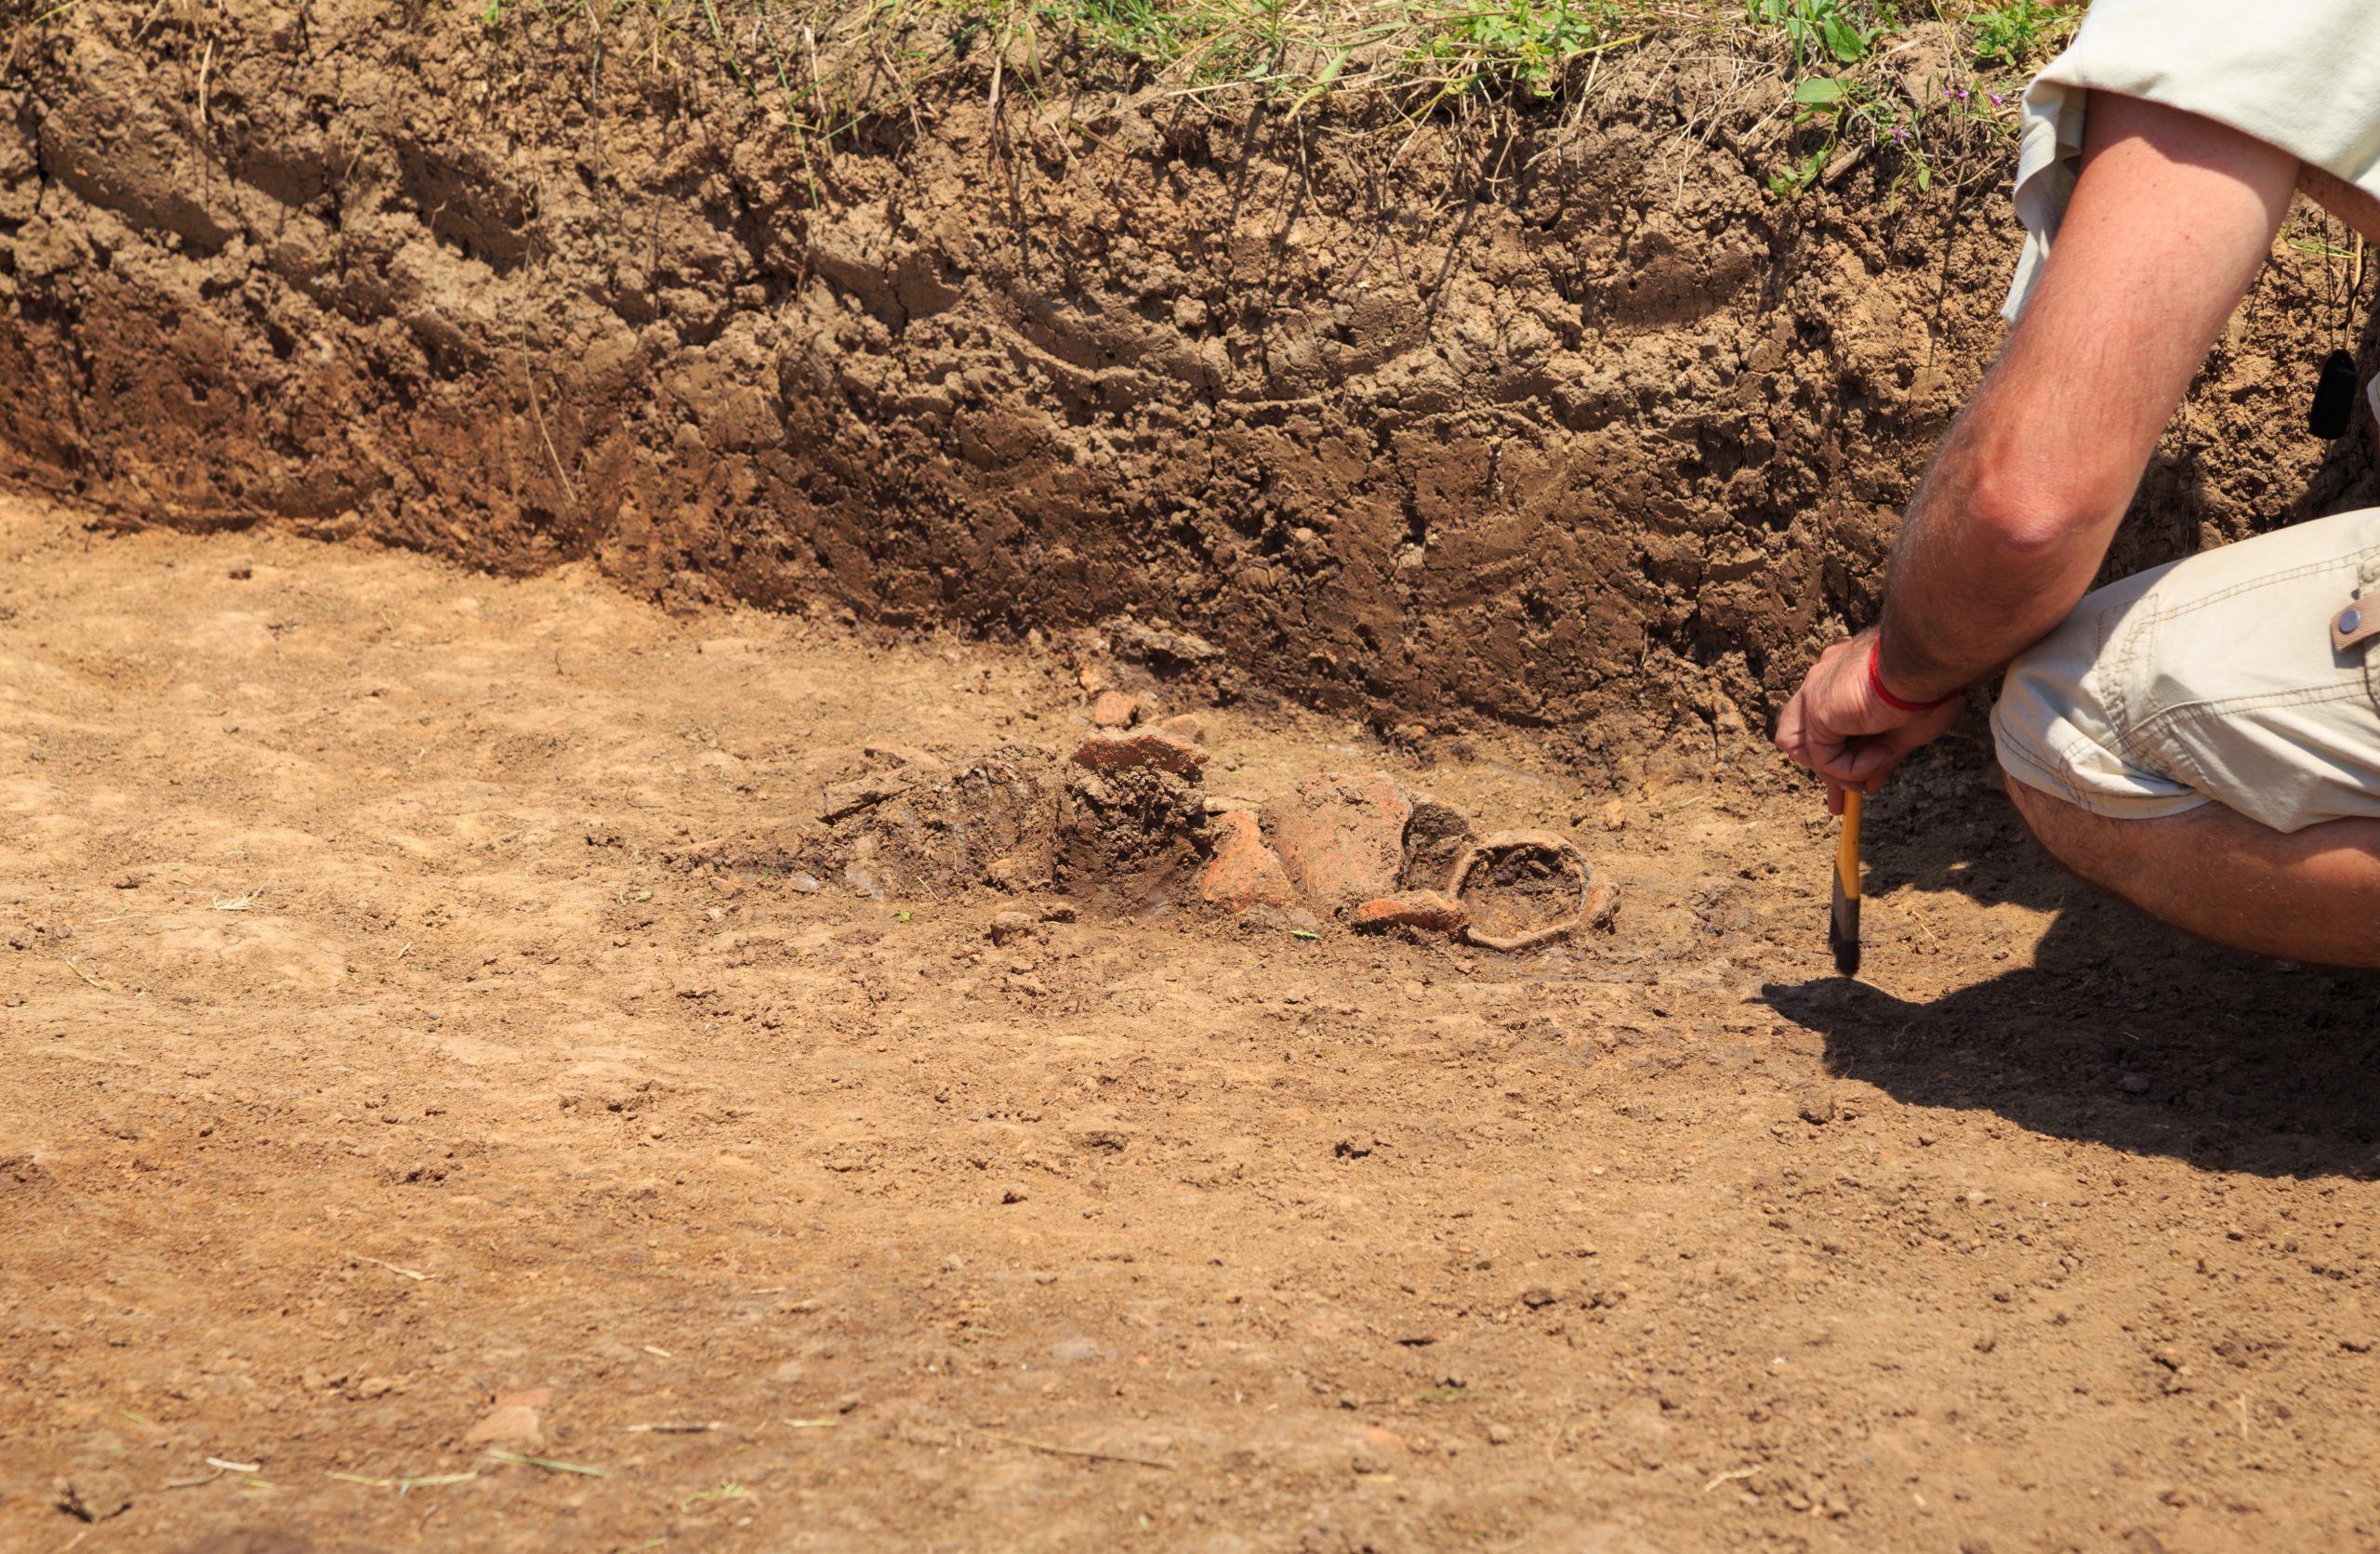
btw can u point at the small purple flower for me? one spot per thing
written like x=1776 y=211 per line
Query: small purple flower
x=1997 y=99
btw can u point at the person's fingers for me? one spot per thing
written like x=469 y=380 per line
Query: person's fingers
x=1841 y=759
x=1877 y=757
x=1866 y=762
x=1829 y=725
x=1789 y=727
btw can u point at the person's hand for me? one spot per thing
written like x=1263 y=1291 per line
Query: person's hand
x=1838 y=727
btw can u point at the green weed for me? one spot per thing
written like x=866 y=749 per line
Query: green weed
x=1813 y=25
x=1854 y=115
x=2013 y=35
x=1520 y=42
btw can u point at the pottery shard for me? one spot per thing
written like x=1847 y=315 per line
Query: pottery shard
x=1243 y=872
x=1434 y=910
x=1340 y=839
x=1114 y=709
x=508 y=1424
x=1142 y=748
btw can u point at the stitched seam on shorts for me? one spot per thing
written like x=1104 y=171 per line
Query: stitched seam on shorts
x=2179 y=754
x=2351 y=561
x=2033 y=762
x=2058 y=761
x=2116 y=694
x=2097 y=802
x=2132 y=731
x=2191 y=712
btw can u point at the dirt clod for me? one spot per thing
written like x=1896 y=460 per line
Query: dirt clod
x=1114 y=709
x=1148 y=747
x=927 y=831
x=1129 y=836
x=1098 y=1127
x=860 y=792
x=1435 y=835
x=96 y=1492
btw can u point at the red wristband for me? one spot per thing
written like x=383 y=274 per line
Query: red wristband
x=1876 y=682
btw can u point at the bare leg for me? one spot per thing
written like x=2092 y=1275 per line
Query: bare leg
x=2311 y=895
x=2342 y=199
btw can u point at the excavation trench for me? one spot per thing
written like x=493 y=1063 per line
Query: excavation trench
x=1549 y=419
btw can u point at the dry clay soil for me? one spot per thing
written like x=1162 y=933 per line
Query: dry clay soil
x=375 y=1055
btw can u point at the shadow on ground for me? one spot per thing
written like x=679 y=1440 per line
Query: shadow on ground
x=2120 y=1032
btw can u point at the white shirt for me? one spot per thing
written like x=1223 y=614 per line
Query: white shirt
x=2300 y=74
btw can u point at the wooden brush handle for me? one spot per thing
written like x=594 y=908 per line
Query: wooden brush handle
x=1846 y=852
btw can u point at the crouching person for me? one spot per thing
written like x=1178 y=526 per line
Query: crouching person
x=2202 y=739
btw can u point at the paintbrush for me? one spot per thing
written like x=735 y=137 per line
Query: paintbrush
x=1843 y=926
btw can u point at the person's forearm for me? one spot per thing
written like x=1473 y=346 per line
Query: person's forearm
x=1997 y=546
x=2169 y=223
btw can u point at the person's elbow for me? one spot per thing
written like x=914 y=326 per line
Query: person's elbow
x=2031 y=525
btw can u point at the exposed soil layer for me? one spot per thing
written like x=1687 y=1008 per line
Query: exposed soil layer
x=1549 y=426
x=420 y=1046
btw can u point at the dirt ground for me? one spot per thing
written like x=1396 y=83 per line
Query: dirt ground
x=380 y=1051
x=453 y=1102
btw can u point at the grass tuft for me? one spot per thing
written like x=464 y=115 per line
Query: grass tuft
x=1840 y=70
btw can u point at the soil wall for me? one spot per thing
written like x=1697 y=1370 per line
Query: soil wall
x=1570 y=424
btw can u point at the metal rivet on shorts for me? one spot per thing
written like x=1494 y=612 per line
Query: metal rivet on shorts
x=2350 y=620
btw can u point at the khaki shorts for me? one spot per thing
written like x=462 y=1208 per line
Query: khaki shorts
x=2211 y=680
